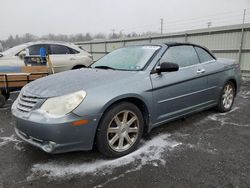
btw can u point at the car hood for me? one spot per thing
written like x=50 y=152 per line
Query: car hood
x=74 y=80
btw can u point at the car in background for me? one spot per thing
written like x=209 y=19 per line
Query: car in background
x=123 y=96
x=64 y=56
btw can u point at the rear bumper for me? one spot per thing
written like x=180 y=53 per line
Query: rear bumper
x=58 y=136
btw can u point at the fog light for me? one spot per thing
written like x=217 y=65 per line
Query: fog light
x=49 y=147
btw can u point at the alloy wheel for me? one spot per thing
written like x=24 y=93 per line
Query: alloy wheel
x=123 y=131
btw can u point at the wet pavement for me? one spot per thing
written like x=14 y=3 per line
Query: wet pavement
x=207 y=149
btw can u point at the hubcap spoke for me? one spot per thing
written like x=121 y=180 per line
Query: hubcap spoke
x=231 y=96
x=133 y=130
x=117 y=121
x=121 y=140
x=114 y=139
x=113 y=130
x=129 y=140
x=125 y=117
x=224 y=101
x=131 y=121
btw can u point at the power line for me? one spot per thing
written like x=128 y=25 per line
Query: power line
x=225 y=18
x=210 y=16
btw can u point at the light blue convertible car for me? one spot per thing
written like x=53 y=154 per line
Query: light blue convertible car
x=125 y=94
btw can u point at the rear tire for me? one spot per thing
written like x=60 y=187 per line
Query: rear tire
x=120 y=130
x=227 y=96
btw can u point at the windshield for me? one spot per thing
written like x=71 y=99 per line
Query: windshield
x=128 y=58
x=14 y=50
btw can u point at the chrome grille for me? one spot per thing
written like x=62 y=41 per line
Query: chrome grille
x=26 y=103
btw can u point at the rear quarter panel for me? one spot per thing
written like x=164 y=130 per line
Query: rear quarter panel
x=218 y=72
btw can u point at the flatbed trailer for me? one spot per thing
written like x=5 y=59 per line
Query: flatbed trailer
x=35 y=67
x=10 y=82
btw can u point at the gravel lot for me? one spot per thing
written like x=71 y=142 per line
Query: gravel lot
x=207 y=149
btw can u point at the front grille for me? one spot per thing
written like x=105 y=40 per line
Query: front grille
x=26 y=103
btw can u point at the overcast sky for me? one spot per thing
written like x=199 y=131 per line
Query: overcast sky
x=41 y=17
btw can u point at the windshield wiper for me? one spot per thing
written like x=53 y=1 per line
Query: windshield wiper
x=104 y=67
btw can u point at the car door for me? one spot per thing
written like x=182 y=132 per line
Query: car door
x=10 y=61
x=10 y=64
x=212 y=73
x=32 y=57
x=181 y=92
x=62 y=57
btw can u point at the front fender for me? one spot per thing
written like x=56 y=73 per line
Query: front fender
x=123 y=98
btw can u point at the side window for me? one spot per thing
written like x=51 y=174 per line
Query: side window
x=59 y=49
x=73 y=51
x=183 y=55
x=203 y=55
x=35 y=49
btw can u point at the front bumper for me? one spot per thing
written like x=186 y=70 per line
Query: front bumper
x=56 y=135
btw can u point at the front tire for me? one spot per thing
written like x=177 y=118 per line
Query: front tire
x=227 y=96
x=120 y=130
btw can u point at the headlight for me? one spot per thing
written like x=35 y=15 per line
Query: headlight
x=64 y=104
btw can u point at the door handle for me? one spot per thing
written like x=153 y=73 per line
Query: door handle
x=72 y=59
x=201 y=71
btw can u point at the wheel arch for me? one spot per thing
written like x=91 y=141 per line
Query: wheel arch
x=233 y=80
x=137 y=101
x=78 y=66
x=235 y=84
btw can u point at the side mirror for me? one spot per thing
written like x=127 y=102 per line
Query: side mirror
x=22 y=54
x=167 y=67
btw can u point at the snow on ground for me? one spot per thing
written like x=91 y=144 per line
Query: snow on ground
x=224 y=120
x=11 y=139
x=246 y=79
x=6 y=140
x=150 y=152
x=244 y=94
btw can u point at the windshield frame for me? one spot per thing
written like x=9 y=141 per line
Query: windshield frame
x=141 y=69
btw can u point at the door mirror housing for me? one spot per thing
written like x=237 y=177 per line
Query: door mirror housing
x=167 y=67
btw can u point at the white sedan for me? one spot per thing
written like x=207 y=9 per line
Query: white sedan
x=64 y=56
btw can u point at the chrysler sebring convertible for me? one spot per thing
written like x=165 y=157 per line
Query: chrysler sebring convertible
x=121 y=97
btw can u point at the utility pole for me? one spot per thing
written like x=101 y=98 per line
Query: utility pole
x=242 y=35
x=161 y=26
